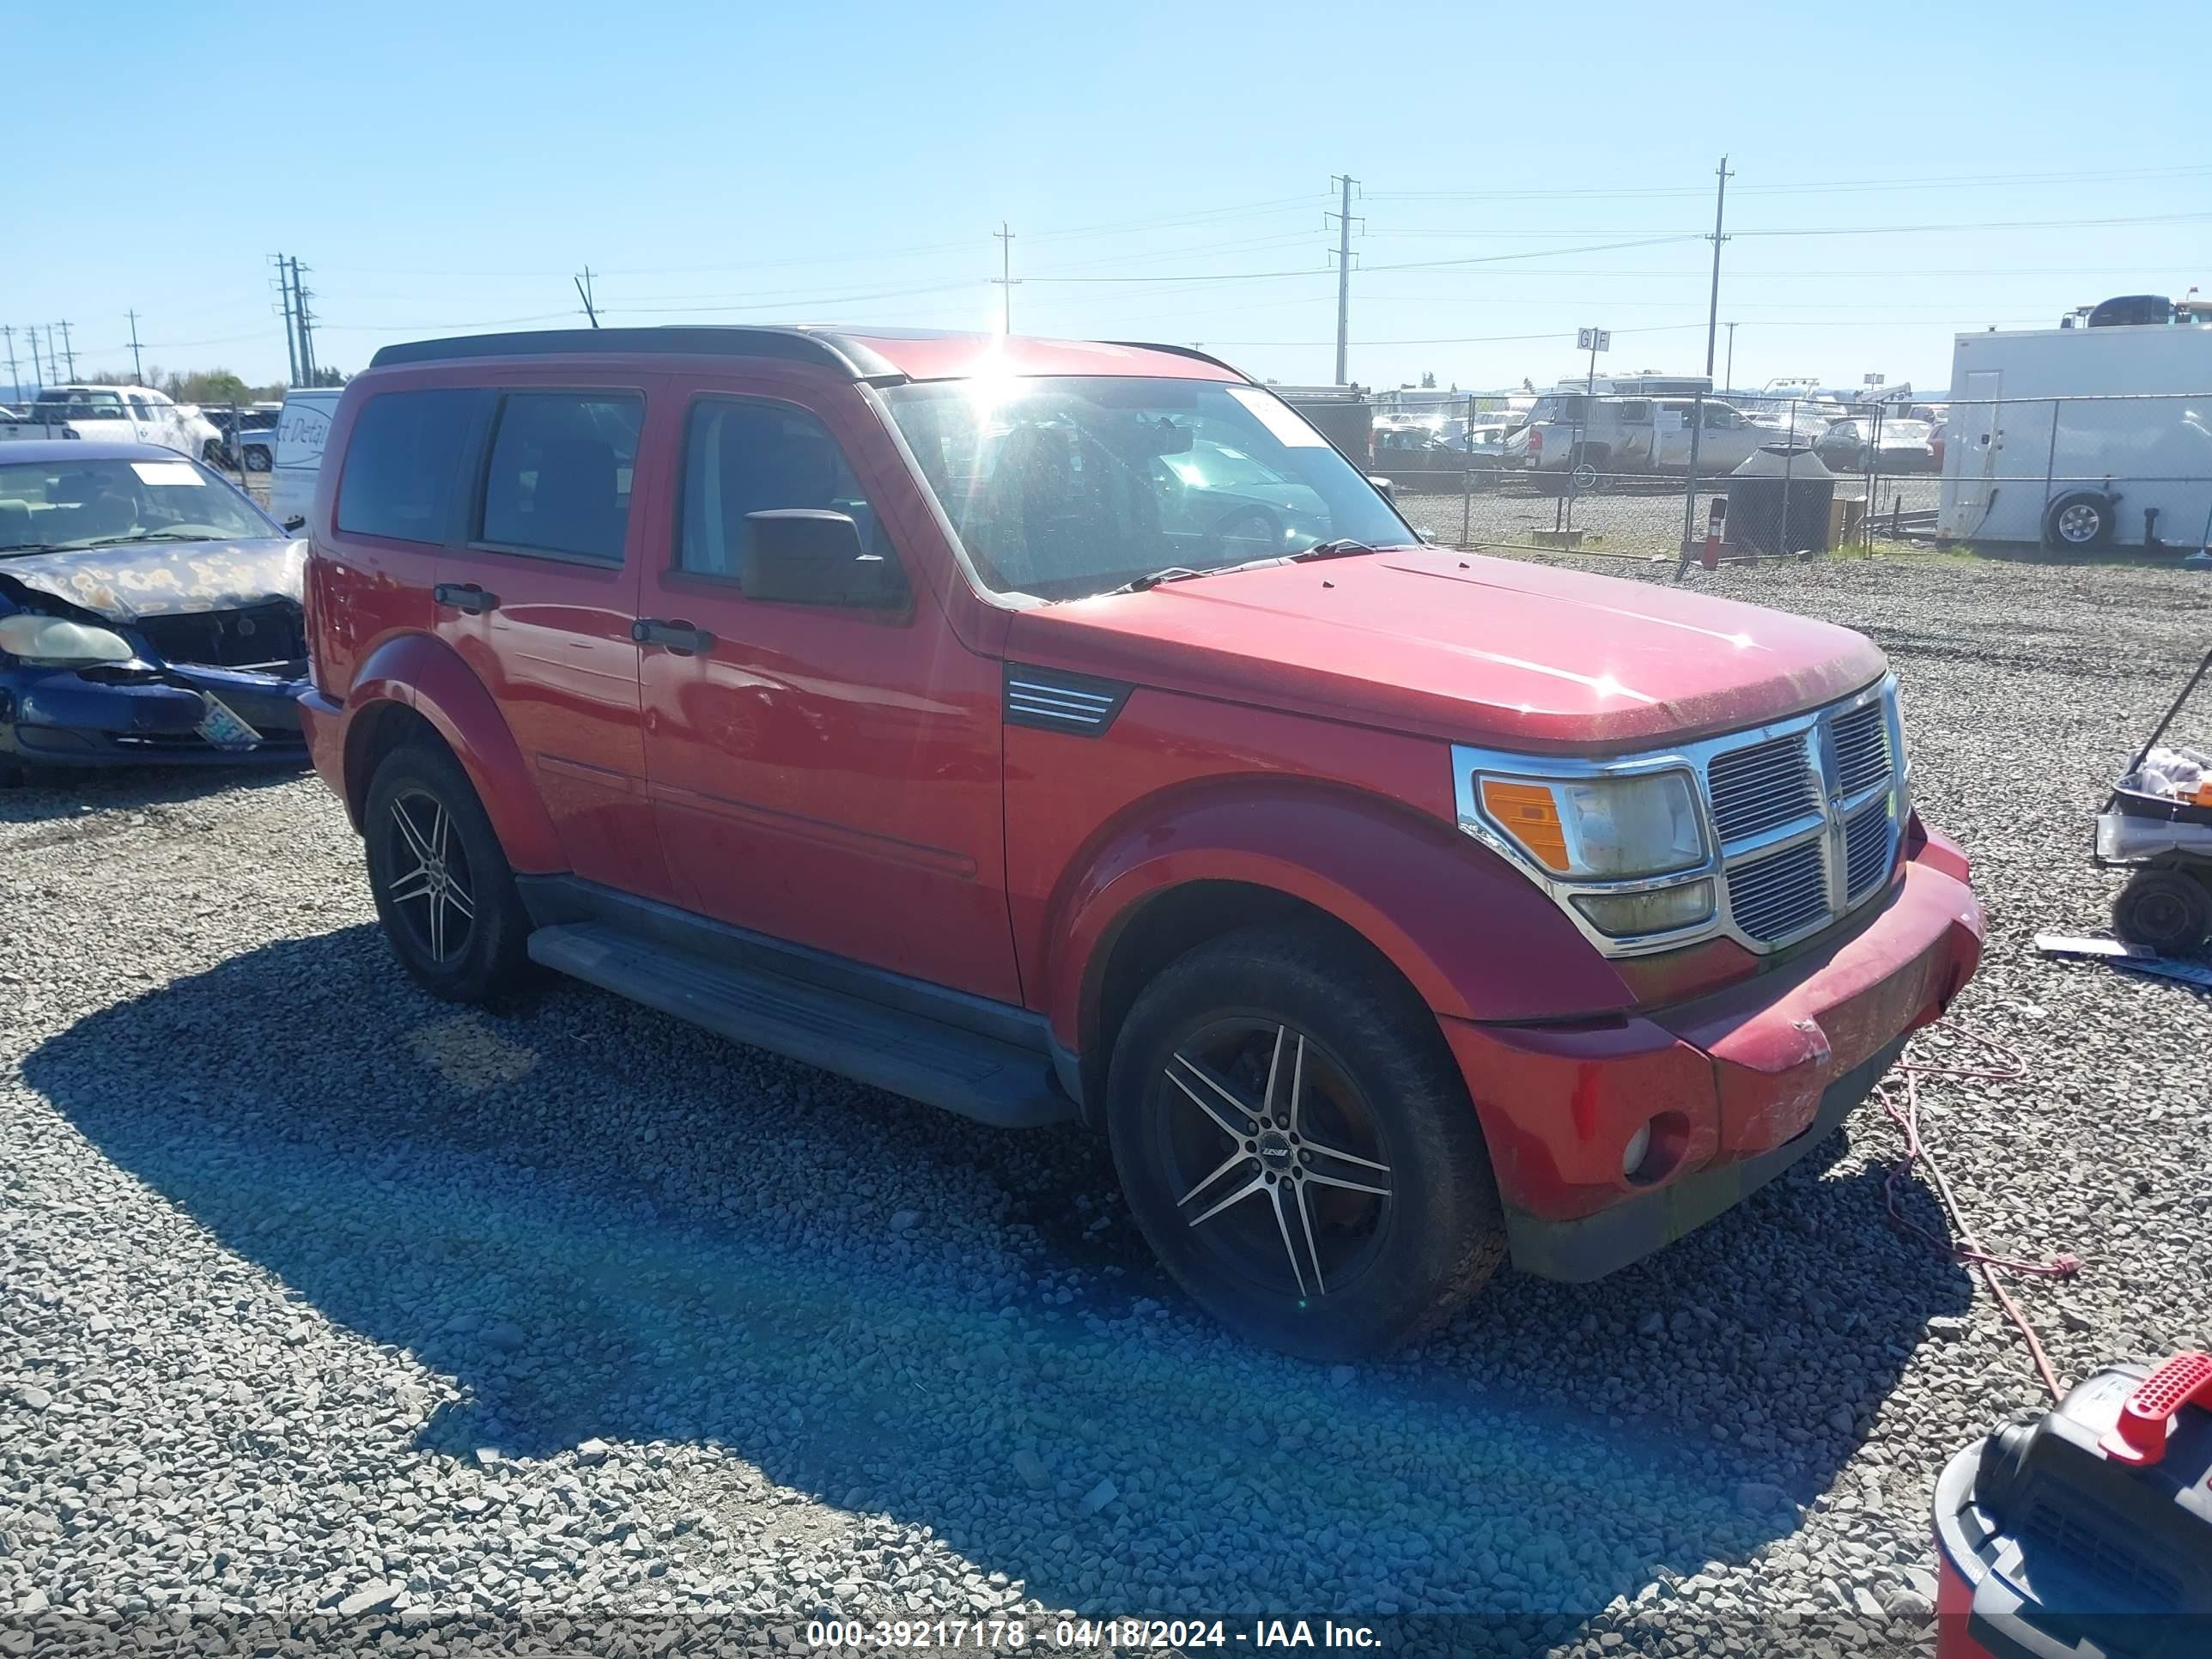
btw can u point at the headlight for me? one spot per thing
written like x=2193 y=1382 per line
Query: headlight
x=57 y=642
x=1600 y=829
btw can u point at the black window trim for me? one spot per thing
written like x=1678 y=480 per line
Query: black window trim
x=467 y=537
x=677 y=570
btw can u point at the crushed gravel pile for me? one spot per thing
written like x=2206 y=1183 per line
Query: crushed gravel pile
x=330 y=1307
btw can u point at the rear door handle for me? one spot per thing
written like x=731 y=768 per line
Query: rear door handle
x=678 y=637
x=465 y=596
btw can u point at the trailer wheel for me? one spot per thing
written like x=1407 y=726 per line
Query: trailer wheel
x=2164 y=910
x=2079 y=519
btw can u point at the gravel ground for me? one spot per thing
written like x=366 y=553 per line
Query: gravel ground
x=330 y=1306
x=1638 y=515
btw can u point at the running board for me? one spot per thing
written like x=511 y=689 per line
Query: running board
x=907 y=1054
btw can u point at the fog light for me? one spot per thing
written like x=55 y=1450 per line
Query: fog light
x=1626 y=915
x=1633 y=1154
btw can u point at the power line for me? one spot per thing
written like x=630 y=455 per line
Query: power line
x=1631 y=193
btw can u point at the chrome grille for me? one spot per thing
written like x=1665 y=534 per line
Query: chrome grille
x=1780 y=894
x=1867 y=851
x=1757 y=789
x=1861 y=739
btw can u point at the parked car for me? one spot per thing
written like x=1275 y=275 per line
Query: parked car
x=302 y=425
x=149 y=611
x=1392 y=911
x=1595 y=438
x=1860 y=445
x=117 y=414
x=1213 y=488
x=248 y=438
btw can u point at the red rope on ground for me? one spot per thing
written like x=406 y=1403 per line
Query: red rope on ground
x=1964 y=1247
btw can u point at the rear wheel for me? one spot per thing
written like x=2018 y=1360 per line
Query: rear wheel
x=2082 y=518
x=257 y=458
x=1297 y=1147
x=443 y=886
x=2164 y=910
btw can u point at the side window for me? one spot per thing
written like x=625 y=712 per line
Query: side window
x=741 y=458
x=399 y=467
x=138 y=407
x=1721 y=420
x=1636 y=413
x=558 y=479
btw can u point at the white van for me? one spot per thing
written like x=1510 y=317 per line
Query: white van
x=301 y=430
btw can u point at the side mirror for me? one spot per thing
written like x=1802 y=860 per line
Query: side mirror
x=806 y=556
x=1384 y=487
x=296 y=522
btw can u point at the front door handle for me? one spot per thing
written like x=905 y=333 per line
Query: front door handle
x=678 y=637
x=465 y=596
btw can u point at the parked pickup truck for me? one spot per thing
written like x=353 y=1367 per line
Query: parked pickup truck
x=118 y=414
x=1597 y=439
x=897 y=702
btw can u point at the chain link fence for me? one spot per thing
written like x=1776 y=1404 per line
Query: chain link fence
x=1639 y=477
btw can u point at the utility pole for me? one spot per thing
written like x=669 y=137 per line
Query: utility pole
x=138 y=369
x=584 y=293
x=300 y=293
x=15 y=382
x=1343 y=217
x=1713 y=312
x=1731 y=357
x=1004 y=236
x=53 y=359
x=67 y=350
x=291 y=337
x=38 y=369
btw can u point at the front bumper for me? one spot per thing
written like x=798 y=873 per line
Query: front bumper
x=1735 y=1086
x=60 y=717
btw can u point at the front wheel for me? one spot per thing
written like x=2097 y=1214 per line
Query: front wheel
x=1297 y=1147
x=443 y=886
x=257 y=458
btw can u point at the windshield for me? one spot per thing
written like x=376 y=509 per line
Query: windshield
x=45 y=504
x=1062 y=487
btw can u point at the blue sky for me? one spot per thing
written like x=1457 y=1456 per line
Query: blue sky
x=447 y=168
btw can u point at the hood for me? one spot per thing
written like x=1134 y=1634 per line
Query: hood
x=1457 y=646
x=164 y=579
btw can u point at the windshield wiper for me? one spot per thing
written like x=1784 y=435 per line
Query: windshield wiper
x=1343 y=547
x=150 y=535
x=33 y=547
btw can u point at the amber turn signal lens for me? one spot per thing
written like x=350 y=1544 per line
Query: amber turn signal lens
x=1529 y=813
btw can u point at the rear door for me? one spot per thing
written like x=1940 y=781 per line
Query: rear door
x=538 y=594
x=822 y=774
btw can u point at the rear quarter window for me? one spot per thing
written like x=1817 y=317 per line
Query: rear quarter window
x=401 y=464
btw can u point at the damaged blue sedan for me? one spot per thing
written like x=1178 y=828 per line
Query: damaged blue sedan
x=149 y=611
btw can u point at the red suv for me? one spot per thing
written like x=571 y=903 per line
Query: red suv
x=1046 y=730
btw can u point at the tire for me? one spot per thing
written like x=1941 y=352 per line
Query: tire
x=1587 y=479
x=257 y=458
x=435 y=866
x=1392 y=1219
x=2079 y=519
x=2165 y=910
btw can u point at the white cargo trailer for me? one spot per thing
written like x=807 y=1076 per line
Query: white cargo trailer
x=2079 y=438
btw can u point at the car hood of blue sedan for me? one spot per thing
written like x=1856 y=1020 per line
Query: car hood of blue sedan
x=165 y=579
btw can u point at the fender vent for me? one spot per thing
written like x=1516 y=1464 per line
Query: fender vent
x=1055 y=701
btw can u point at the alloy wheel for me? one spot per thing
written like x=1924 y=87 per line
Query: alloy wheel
x=431 y=890
x=1276 y=1155
x=2080 y=523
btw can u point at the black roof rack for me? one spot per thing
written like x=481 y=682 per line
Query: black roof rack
x=1179 y=351
x=843 y=355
